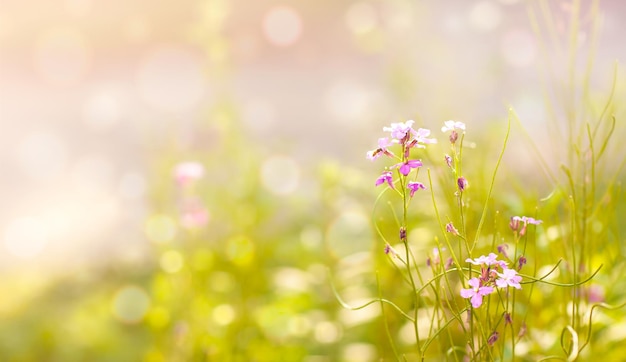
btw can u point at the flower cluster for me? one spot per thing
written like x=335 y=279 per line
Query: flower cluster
x=193 y=213
x=407 y=138
x=493 y=273
x=518 y=224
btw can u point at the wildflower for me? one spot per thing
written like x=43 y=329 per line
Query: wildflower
x=451 y=229
x=421 y=137
x=194 y=215
x=448 y=160
x=401 y=130
x=596 y=294
x=521 y=262
x=436 y=259
x=492 y=338
x=405 y=167
x=402 y=233
x=385 y=177
x=515 y=221
x=502 y=249
x=486 y=260
x=389 y=250
x=508 y=277
x=383 y=143
x=476 y=292
x=462 y=183
x=448 y=263
x=414 y=186
x=507 y=318
x=187 y=172
x=452 y=125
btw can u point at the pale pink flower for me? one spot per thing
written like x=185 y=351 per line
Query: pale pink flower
x=452 y=125
x=476 y=292
x=187 y=172
x=508 y=277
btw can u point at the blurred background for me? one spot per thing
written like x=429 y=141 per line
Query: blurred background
x=279 y=100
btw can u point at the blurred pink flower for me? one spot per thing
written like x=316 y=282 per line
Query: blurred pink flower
x=194 y=215
x=405 y=167
x=414 y=186
x=451 y=229
x=508 y=277
x=385 y=177
x=476 y=292
x=187 y=172
x=487 y=260
x=383 y=143
x=400 y=130
x=452 y=125
x=462 y=183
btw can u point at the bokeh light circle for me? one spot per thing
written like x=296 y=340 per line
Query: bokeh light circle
x=282 y=26
x=42 y=155
x=361 y=18
x=160 y=228
x=25 y=237
x=130 y=304
x=171 y=79
x=280 y=175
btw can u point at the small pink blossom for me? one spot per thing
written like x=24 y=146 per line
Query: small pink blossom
x=414 y=186
x=421 y=138
x=502 y=249
x=383 y=143
x=476 y=292
x=400 y=130
x=389 y=250
x=385 y=177
x=451 y=229
x=462 y=183
x=490 y=259
x=508 y=277
x=452 y=125
x=526 y=220
x=405 y=167
x=493 y=338
x=448 y=159
x=187 y=172
x=194 y=218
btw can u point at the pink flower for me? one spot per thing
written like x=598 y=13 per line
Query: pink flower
x=383 y=143
x=389 y=250
x=462 y=183
x=451 y=229
x=448 y=159
x=486 y=260
x=421 y=137
x=502 y=249
x=405 y=167
x=452 y=125
x=526 y=220
x=508 y=277
x=414 y=186
x=187 y=172
x=385 y=177
x=476 y=292
x=194 y=218
x=400 y=130
x=493 y=338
